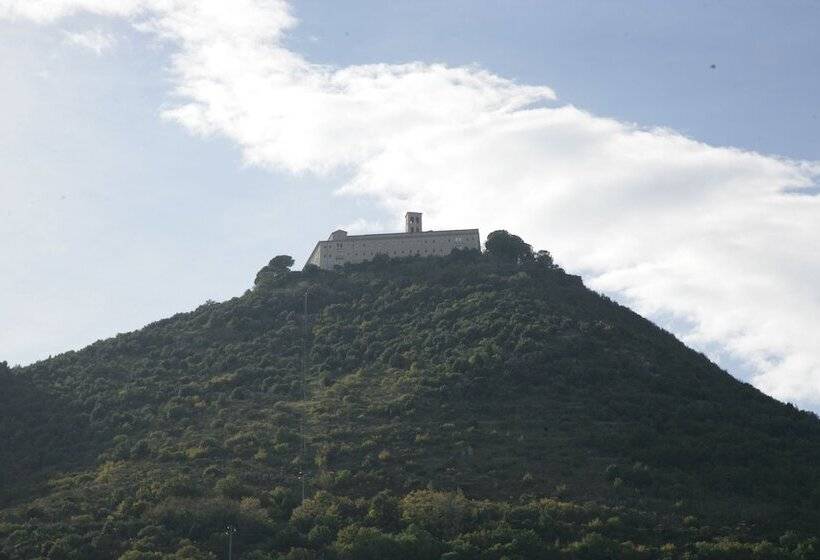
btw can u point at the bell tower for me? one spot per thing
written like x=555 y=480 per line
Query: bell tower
x=412 y=222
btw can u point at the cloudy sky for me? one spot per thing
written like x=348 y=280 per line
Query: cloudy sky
x=156 y=153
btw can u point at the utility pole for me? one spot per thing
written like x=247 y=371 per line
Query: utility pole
x=230 y=530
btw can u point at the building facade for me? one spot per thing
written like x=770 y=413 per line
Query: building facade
x=342 y=248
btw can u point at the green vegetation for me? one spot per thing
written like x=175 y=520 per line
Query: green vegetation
x=478 y=406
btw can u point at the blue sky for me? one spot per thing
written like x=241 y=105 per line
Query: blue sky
x=642 y=61
x=120 y=208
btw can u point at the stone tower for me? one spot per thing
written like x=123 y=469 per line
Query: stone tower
x=412 y=222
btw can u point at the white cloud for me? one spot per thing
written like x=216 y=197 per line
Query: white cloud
x=94 y=40
x=49 y=11
x=676 y=228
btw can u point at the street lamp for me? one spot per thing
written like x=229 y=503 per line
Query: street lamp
x=230 y=530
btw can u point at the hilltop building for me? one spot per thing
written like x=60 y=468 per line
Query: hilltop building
x=342 y=248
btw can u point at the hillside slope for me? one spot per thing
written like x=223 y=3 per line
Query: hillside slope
x=479 y=405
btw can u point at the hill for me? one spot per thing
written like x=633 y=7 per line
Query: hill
x=472 y=406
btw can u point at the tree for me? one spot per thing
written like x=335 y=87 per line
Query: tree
x=278 y=267
x=544 y=258
x=367 y=543
x=384 y=511
x=231 y=487
x=281 y=262
x=594 y=546
x=508 y=247
x=441 y=513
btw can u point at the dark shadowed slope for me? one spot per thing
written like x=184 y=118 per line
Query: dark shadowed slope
x=39 y=431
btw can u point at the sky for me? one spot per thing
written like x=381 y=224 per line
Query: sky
x=156 y=153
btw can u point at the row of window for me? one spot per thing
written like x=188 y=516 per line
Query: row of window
x=391 y=253
x=457 y=240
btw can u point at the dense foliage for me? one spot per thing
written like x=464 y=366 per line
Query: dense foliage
x=475 y=406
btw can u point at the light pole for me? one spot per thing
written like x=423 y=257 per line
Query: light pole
x=302 y=473
x=230 y=530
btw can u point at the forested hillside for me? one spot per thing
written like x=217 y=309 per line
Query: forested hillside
x=482 y=405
